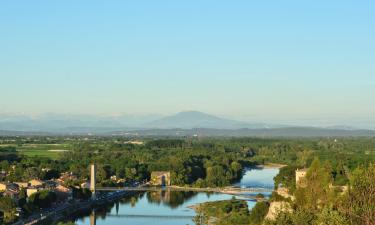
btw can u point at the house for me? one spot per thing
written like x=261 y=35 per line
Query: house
x=35 y=182
x=31 y=190
x=22 y=184
x=50 y=184
x=3 y=186
x=67 y=176
x=8 y=186
x=12 y=193
x=161 y=178
x=63 y=193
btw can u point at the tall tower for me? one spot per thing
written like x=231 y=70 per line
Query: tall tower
x=92 y=180
x=92 y=217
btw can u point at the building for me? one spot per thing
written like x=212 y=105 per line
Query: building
x=22 y=184
x=63 y=193
x=67 y=176
x=3 y=186
x=300 y=175
x=162 y=178
x=35 y=182
x=32 y=190
x=9 y=187
x=134 y=142
x=50 y=184
x=12 y=193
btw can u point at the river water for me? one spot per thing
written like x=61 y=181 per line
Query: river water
x=170 y=208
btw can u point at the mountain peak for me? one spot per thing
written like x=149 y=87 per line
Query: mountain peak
x=196 y=119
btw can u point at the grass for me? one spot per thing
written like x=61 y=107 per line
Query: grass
x=52 y=151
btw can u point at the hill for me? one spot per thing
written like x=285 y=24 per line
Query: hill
x=195 y=119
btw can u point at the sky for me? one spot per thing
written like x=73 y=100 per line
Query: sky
x=277 y=61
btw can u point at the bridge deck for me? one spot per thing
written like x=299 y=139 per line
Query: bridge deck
x=170 y=188
x=151 y=216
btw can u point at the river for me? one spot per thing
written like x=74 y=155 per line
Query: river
x=170 y=208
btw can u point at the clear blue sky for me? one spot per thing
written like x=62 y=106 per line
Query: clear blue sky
x=253 y=60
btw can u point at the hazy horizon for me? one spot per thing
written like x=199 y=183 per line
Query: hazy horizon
x=328 y=121
x=290 y=62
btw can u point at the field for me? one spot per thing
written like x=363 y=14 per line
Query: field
x=52 y=151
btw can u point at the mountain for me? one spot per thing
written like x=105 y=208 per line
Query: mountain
x=195 y=119
x=188 y=123
x=66 y=122
x=246 y=132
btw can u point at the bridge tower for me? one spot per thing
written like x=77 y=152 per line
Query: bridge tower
x=92 y=217
x=93 y=180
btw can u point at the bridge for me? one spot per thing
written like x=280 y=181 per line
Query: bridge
x=228 y=190
x=145 y=187
x=151 y=216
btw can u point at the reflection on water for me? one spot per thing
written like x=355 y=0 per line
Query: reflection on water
x=258 y=177
x=167 y=207
x=161 y=207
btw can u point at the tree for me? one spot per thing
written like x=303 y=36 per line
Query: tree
x=329 y=216
x=236 y=168
x=303 y=157
x=22 y=197
x=8 y=207
x=358 y=204
x=200 y=219
x=216 y=176
x=316 y=192
x=81 y=193
x=258 y=213
x=286 y=178
x=43 y=199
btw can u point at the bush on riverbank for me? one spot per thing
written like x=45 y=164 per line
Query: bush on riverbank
x=223 y=212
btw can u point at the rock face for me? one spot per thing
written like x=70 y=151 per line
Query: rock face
x=276 y=207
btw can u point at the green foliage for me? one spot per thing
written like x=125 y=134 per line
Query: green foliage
x=315 y=192
x=42 y=199
x=258 y=213
x=275 y=197
x=166 y=143
x=223 y=212
x=8 y=208
x=297 y=217
x=81 y=193
x=286 y=178
x=358 y=204
x=66 y=223
x=329 y=216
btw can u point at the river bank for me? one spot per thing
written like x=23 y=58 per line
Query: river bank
x=69 y=209
x=271 y=166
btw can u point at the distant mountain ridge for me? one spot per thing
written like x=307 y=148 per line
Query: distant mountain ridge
x=195 y=119
x=246 y=132
x=183 y=123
